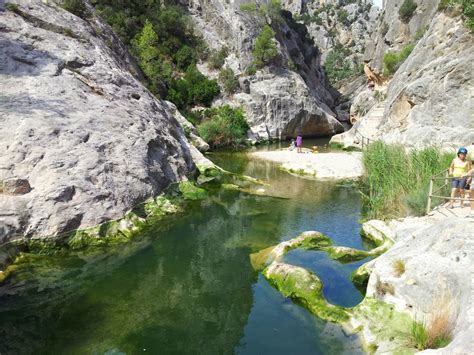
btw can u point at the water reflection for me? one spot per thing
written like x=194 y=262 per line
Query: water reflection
x=186 y=286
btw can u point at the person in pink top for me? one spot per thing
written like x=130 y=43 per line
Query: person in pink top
x=299 y=143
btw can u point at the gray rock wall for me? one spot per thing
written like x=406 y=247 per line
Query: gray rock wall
x=279 y=98
x=86 y=134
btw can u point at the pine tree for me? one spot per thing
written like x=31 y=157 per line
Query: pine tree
x=265 y=48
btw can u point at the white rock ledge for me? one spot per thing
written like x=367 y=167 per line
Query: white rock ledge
x=317 y=165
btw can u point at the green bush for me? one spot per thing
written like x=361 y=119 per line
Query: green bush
x=76 y=7
x=342 y=16
x=194 y=88
x=11 y=7
x=396 y=180
x=217 y=58
x=407 y=10
x=223 y=126
x=228 y=80
x=337 y=65
x=265 y=50
x=393 y=60
x=251 y=70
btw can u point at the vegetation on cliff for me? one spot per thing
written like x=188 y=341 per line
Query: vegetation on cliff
x=223 y=126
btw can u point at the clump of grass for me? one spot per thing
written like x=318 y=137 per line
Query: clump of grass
x=398 y=267
x=419 y=335
x=382 y=288
x=437 y=332
x=396 y=180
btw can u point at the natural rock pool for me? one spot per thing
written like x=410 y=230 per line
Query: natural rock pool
x=187 y=285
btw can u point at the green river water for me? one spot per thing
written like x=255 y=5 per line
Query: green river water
x=186 y=286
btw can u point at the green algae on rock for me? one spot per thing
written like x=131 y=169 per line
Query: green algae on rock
x=305 y=288
x=381 y=324
x=310 y=240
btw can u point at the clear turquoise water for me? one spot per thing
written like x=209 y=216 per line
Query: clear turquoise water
x=187 y=287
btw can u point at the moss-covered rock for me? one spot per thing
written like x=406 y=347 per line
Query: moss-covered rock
x=190 y=191
x=383 y=325
x=310 y=240
x=345 y=254
x=305 y=288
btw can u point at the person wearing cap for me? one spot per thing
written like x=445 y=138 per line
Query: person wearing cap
x=458 y=170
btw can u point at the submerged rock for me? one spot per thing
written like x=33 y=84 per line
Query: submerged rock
x=305 y=288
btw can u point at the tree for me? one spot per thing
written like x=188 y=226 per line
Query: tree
x=146 y=47
x=265 y=48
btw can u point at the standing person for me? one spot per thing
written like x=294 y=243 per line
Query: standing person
x=458 y=170
x=299 y=143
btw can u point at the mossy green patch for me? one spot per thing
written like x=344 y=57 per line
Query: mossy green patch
x=389 y=327
x=346 y=255
x=191 y=191
x=305 y=288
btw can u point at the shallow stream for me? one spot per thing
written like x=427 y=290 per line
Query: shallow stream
x=187 y=286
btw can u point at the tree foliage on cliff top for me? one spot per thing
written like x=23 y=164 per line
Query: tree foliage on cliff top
x=160 y=35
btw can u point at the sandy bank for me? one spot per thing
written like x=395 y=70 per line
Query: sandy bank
x=316 y=165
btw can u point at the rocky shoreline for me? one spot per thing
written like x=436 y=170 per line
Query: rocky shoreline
x=436 y=257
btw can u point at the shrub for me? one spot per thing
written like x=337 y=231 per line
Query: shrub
x=337 y=64
x=393 y=60
x=184 y=57
x=342 y=16
x=251 y=70
x=228 y=80
x=76 y=7
x=398 y=267
x=223 y=126
x=265 y=50
x=407 y=10
x=217 y=58
x=193 y=88
x=393 y=176
x=11 y=7
x=249 y=7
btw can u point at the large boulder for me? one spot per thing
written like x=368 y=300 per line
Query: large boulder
x=77 y=124
x=431 y=262
x=281 y=106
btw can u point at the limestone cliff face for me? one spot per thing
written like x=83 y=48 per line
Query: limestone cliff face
x=350 y=23
x=429 y=98
x=77 y=124
x=284 y=99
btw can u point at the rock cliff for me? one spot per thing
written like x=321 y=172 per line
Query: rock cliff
x=429 y=97
x=437 y=275
x=289 y=97
x=77 y=125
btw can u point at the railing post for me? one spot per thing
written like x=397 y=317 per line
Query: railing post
x=430 y=192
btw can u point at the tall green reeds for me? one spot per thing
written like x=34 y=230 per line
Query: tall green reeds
x=397 y=180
